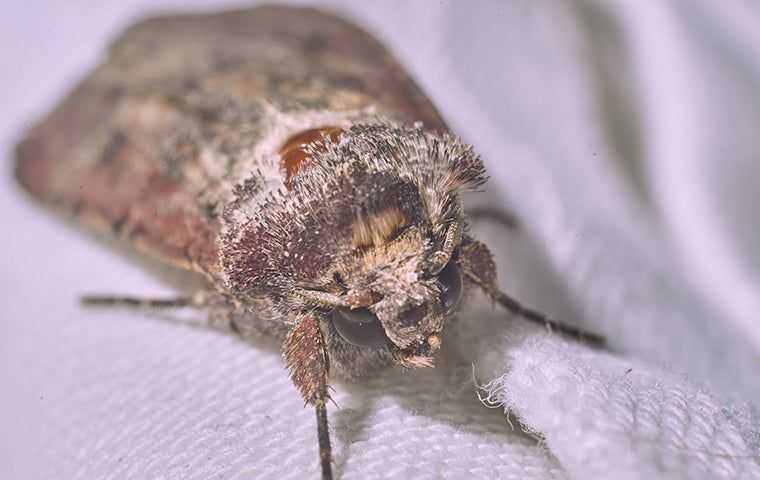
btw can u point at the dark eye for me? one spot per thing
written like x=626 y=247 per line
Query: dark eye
x=359 y=327
x=451 y=286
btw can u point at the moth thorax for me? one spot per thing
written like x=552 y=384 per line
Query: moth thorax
x=293 y=151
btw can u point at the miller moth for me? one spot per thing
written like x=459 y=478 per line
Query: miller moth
x=285 y=156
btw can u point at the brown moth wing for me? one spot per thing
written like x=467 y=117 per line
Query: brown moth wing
x=143 y=146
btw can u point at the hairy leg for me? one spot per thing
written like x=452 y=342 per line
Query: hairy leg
x=477 y=265
x=305 y=353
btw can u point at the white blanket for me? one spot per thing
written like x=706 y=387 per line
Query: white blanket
x=625 y=136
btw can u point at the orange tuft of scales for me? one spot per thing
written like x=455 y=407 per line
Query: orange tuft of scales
x=293 y=151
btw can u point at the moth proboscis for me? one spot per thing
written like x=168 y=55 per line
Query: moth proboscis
x=284 y=155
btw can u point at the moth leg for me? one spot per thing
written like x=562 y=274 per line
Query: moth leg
x=223 y=311
x=515 y=307
x=323 y=437
x=305 y=353
x=497 y=215
x=477 y=265
x=198 y=299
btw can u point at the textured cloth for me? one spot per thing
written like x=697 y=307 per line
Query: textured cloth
x=622 y=134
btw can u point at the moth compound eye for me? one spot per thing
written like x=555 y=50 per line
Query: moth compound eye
x=359 y=327
x=450 y=279
x=412 y=316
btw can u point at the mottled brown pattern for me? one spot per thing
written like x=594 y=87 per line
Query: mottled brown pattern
x=176 y=144
x=122 y=150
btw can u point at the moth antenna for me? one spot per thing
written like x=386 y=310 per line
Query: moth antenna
x=534 y=316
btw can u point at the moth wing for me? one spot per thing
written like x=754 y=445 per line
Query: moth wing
x=136 y=147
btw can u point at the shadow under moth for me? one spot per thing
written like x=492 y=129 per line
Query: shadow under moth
x=285 y=156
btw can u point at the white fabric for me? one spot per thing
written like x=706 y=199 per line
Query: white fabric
x=624 y=135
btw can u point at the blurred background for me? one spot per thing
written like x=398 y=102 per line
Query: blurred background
x=624 y=135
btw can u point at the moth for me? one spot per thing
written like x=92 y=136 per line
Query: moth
x=284 y=156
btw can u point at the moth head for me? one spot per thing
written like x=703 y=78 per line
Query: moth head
x=397 y=291
x=368 y=235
